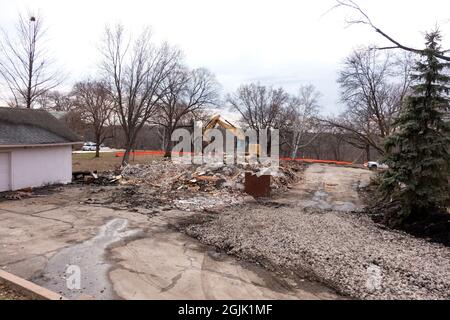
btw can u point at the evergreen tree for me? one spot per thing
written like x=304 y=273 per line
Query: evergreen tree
x=418 y=152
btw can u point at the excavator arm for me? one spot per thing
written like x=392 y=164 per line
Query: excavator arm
x=218 y=120
x=238 y=133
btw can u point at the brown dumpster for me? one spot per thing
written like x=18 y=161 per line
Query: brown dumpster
x=258 y=187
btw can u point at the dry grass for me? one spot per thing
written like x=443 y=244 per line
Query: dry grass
x=107 y=161
x=6 y=293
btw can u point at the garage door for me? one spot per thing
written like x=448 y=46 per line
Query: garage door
x=5 y=171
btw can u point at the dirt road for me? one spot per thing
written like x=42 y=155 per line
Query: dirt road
x=329 y=187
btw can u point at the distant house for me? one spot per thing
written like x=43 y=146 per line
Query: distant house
x=35 y=149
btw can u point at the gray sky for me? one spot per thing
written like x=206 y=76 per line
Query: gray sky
x=276 y=42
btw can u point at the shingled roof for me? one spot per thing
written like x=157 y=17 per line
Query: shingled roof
x=32 y=127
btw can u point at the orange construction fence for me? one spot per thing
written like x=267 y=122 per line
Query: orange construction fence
x=141 y=153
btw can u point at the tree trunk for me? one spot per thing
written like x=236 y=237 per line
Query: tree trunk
x=168 y=140
x=168 y=152
x=97 y=150
x=30 y=79
x=128 y=149
x=294 y=152
x=126 y=156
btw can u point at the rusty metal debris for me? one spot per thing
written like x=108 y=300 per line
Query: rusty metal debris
x=257 y=186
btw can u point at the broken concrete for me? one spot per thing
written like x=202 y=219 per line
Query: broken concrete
x=186 y=187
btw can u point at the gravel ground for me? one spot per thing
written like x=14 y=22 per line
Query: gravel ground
x=345 y=251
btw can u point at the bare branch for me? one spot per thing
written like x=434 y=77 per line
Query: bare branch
x=373 y=86
x=185 y=93
x=135 y=70
x=25 y=66
x=96 y=107
x=365 y=19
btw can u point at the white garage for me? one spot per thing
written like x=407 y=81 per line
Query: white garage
x=5 y=171
x=35 y=149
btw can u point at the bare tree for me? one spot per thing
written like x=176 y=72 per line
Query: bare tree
x=373 y=87
x=185 y=94
x=25 y=64
x=335 y=141
x=136 y=71
x=55 y=101
x=260 y=107
x=94 y=103
x=302 y=120
x=364 y=19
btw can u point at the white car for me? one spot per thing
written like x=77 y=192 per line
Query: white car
x=373 y=165
x=89 y=146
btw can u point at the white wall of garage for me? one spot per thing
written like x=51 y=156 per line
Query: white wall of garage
x=36 y=166
x=5 y=171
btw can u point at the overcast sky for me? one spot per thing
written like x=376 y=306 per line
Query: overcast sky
x=276 y=42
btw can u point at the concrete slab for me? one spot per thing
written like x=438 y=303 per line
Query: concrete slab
x=125 y=255
x=90 y=259
x=23 y=237
x=186 y=270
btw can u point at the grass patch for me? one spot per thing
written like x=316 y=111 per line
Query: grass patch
x=107 y=161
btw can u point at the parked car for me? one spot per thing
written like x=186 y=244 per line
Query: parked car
x=373 y=165
x=89 y=146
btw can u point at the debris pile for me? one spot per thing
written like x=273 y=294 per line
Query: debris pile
x=167 y=175
x=87 y=177
x=163 y=184
x=210 y=202
x=18 y=195
x=159 y=174
x=27 y=193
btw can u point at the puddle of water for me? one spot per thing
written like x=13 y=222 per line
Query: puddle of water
x=61 y=272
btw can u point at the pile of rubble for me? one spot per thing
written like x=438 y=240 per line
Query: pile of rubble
x=30 y=192
x=207 y=178
x=17 y=195
x=87 y=177
x=165 y=184
x=159 y=174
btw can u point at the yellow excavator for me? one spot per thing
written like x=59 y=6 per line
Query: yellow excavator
x=217 y=120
